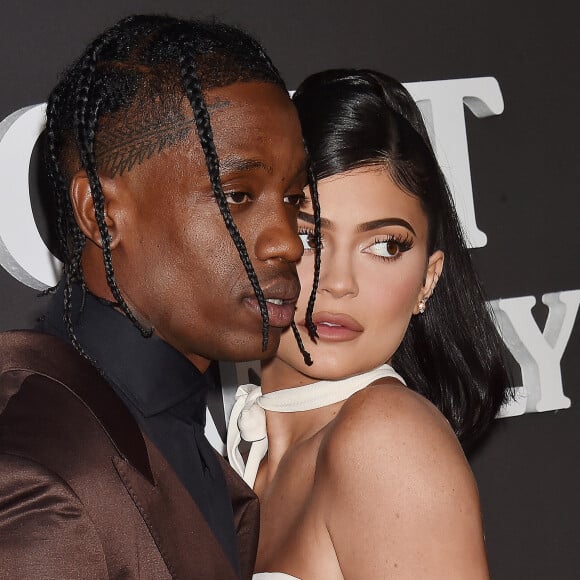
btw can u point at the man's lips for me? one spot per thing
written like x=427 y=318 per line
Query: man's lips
x=281 y=297
x=336 y=327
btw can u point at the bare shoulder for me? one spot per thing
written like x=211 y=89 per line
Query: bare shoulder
x=389 y=432
x=389 y=415
x=398 y=497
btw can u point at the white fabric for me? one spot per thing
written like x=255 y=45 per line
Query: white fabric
x=273 y=576
x=248 y=418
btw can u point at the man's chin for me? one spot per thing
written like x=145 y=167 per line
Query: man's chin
x=254 y=349
x=273 y=343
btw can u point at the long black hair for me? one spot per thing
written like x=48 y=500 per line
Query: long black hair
x=452 y=353
x=121 y=103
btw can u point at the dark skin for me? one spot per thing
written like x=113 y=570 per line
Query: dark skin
x=174 y=261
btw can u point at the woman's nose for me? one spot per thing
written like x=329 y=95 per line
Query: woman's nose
x=337 y=275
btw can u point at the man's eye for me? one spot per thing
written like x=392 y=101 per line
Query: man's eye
x=237 y=197
x=295 y=200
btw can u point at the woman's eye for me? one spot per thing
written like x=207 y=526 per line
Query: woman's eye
x=387 y=248
x=237 y=197
x=307 y=239
x=390 y=248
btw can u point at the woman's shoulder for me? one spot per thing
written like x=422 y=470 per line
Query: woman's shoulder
x=390 y=472
x=388 y=429
x=389 y=408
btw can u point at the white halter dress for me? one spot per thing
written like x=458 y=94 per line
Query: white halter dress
x=248 y=420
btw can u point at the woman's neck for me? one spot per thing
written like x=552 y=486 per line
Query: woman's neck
x=277 y=374
x=289 y=431
x=286 y=430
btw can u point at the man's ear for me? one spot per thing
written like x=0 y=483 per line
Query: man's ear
x=432 y=275
x=84 y=208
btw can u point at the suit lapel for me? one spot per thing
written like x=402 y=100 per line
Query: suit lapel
x=246 y=517
x=50 y=356
x=182 y=535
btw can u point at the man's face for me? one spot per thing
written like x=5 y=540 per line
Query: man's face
x=175 y=262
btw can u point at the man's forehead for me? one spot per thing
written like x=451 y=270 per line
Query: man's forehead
x=238 y=163
x=249 y=95
x=130 y=138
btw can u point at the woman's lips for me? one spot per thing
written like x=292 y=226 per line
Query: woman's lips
x=336 y=327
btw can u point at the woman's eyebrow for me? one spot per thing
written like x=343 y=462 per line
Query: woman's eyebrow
x=364 y=227
x=307 y=217
x=376 y=224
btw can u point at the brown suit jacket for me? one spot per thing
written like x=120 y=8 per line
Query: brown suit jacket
x=83 y=493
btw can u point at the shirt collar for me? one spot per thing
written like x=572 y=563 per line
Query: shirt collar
x=150 y=373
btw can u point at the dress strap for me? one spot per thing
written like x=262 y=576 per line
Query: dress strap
x=248 y=418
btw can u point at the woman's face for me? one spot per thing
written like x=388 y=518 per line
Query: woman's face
x=375 y=270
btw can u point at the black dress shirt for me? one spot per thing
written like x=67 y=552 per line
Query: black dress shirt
x=165 y=393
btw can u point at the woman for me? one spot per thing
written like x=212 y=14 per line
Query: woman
x=357 y=463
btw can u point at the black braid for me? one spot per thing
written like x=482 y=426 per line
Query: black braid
x=194 y=93
x=318 y=248
x=305 y=354
x=86 y=143
x=86 y=115
x=55 y=175
x=70 y=237
x=71 y=240
x=268 y=61
x=318 y=252
x=68 y=289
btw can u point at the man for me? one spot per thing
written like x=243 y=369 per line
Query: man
x=178 y=168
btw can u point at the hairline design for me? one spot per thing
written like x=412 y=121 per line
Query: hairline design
x=129 y=145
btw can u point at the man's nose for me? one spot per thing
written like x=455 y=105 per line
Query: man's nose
x=278 y=237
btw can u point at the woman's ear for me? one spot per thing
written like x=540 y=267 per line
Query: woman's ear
x=84 y=208
x=432 y=275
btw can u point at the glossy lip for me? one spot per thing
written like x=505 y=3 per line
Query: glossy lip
x=287 y=290
x=336 y=327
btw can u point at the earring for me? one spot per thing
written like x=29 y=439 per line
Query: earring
x=422 y=305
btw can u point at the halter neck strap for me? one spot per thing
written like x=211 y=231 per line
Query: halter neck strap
x=248 y=418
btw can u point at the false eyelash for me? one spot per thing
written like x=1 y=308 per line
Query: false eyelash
x=405 y=242
x=306 y=231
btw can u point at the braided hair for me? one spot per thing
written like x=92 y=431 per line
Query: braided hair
x=137 y=74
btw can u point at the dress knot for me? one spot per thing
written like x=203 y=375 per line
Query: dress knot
x=252 y=418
